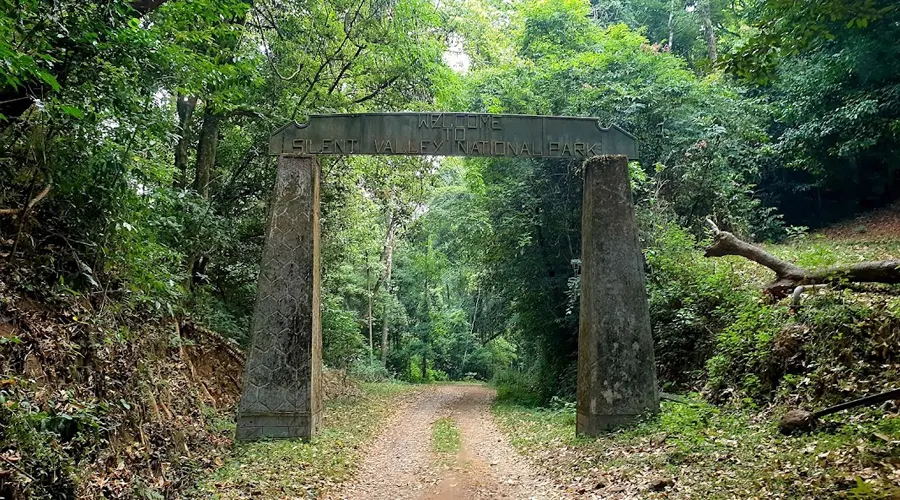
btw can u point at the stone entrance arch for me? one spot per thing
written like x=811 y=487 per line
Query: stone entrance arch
x=282 y=395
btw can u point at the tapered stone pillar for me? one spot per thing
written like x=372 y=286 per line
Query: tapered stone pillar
x=282 y=395
x=616 y=367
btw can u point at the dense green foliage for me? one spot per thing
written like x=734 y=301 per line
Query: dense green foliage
x=148 y=123
x=807 y=147
x=134 y=177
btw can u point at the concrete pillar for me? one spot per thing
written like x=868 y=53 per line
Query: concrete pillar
x=616 y=367
x=282 y=395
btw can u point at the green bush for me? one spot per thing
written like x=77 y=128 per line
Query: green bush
x=517 y=387
x=835 y=347
x=743 y=351
x=370 y=370
x=690 y=297
x=51 y=444
x=713 y=327
x=414 y=373
x=214 y=313
x=847 y=345
x=341 y=342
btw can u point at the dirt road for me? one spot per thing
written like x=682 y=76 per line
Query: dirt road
x=401 y=463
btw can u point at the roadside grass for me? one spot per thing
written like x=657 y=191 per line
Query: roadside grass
x=445 y=436
x=817 y=251
x=811 y=251
x=710 y=452
x=292 y=468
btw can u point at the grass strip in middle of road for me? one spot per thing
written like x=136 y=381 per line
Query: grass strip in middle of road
x=445 y=436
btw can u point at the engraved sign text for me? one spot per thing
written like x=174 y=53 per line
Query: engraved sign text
x=452 y=134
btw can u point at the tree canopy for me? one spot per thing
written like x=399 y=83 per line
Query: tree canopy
x=134 y=164
x=134 y=174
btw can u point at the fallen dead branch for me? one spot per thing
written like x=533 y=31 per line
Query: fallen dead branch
x=675 y=398
x=798 y=292
x=34 y=201
x=804 y=421
x=789 y=276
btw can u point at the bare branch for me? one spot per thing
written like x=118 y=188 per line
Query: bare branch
x=37 y=199
x=789 y=276
x=262 y=35
x=726 y=243
x=348 y=32
x=345 y=67
x=377 y=91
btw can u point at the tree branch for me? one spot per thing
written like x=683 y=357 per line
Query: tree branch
x=268 y=47
x=344 y=69
x=789 y=276
x=725 y=243
x=37 y=199
x=377 y=91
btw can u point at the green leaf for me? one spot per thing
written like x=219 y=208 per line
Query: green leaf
x=72 y=111
x=48 y=79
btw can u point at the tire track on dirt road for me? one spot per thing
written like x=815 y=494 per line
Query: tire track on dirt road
x=400 y=464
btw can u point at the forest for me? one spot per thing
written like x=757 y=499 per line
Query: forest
x=135 y=182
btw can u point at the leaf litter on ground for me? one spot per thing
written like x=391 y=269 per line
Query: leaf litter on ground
x=703 y=451
x=296 y=469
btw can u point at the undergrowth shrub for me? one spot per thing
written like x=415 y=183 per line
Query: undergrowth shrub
x=743 y=349
x=837 y=346
x=370 y=370
x=341 y=342
x=414 y=373
x=50 y=443
x=848 y=345
x=516 y=386
x=690 y=297
x=712 y=325
x=214 y=313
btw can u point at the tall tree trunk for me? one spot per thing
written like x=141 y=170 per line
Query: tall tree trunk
x=475 y=314
x=384 y=333
x=369 y=312
x=185 y=106
x=207 y=143
x=389 y=260
x=706 y=15
x=206 y=151
x=671 y=24
x=206 y=160
x=382 y=278
x=426 y=337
